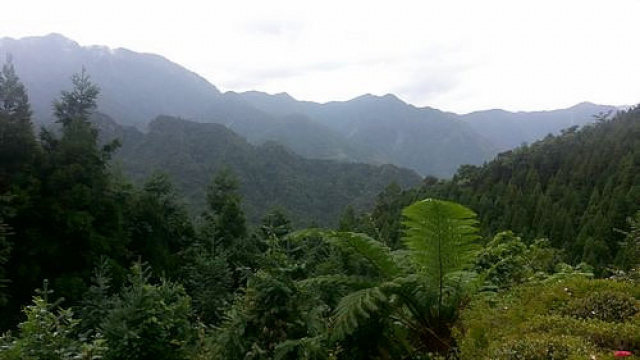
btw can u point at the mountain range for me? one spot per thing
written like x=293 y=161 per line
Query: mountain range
x=138 y=87
x=311 y=191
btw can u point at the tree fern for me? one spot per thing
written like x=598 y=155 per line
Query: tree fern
x=337 y=280
x=441 y=238
x=376 y=253
x=418 y=289
x=355 y=308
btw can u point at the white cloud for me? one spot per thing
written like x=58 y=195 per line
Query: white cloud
x=459 y=55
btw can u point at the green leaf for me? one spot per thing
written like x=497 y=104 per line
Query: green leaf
x=441 y=238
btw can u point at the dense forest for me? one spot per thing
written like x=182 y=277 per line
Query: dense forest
x=271 y=176
x=577 y=190
x=531 y=256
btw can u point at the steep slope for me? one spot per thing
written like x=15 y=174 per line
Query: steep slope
x=507 y=130
x=430 y=141
x=426 y=139
x=575 y=189
x=311 y=190
x=135 y=87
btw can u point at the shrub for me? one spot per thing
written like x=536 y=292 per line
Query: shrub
x=576 y=317
x=613 y=306
x=537 y=346
x=149 y=321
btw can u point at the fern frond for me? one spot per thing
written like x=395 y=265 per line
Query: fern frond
x=441 y=237
x=304 y=348
x=337 y=280
x=376 y=253
x=356 y=307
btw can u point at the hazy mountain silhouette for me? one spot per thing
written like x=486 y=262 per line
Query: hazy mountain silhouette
x=375 y=129
x=134 y=87
x=507 y=130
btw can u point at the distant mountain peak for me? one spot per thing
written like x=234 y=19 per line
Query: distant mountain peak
x=390 y=96
x=385 y=98
x=284 y=95
x=135 y=87
x=54 y=39
x=584 y=105
x=56 y=36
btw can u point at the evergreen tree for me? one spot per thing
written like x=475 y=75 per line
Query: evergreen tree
x=148 y=321
x=224 y=215
x=50 y=332
x=275 y=224
x=5 y=246
x=225 y=228
x=348 y=220
x=208 y=279
x=70 y=215
x=17 y=141
x=573 y=189
x=272 y=317
x=159 y=226
x=630 y=247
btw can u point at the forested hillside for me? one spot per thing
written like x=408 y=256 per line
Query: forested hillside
x=576 y=189
x=270 y=176
x=428 y=140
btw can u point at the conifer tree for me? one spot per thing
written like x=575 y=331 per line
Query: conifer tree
x=158 y=225
x=17 y=141
x=225 y=227
x=225 y=213
x=74 y=215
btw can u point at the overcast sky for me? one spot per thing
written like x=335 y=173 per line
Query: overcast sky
x=459 y=55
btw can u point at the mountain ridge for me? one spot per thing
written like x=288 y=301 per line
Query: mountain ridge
x=137 y=87
x=270 y=175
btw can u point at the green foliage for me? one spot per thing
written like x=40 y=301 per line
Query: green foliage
x=629 y=255
x=99 y=299
x=148 y=321
x=275 y=224
x=609 y=306
x=507 y=260
x=224 y=229
x=273 y=319
x=77 y=104
x=49 y=332
x=208 y=279
x=374 y=253
x=225 y=210
x=5 y=244
x=17 y=141
x=542 y=347
x=159 y=226
x=312 y=191
x=573 y=189
x=574 y=317
x=68 y=213
x=441 y=239
x=413 y=295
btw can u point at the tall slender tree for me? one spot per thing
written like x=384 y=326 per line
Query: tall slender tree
x=74 y=215
x=17 y=141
